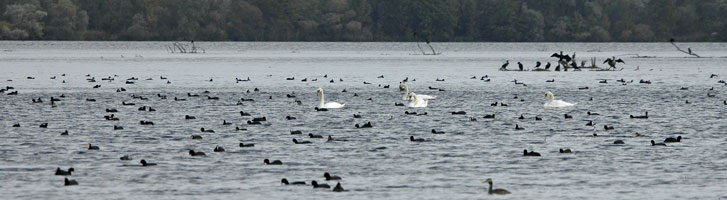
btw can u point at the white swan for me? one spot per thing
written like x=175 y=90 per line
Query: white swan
x=416 y=102
x=552 y=103
x=405 y=88
x=323 y=104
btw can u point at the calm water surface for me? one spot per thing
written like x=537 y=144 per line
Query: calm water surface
x=453 y=165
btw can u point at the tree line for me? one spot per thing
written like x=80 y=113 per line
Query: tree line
x=366 y=20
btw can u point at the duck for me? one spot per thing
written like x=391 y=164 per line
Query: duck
x=196 y=137
x=16 y=125
x=290 y=118
x=331 y=178
x=311 y=135
x=247 y=145
x=243 y=113
x=275 y=162
x=198 y=153
x=320 y=109
x=206 y=130
x=356 y=116
x=225 y=123
x=43 y=125
x=285 y=182
x=646 y=116
x=437 y=132
x=489 y=116
x=565 y=151
x=411 y=138
x=125 y=157
x=91 y=147
x=296 y=132
x=316 y=185
x=144 y=163
x=259 y=119
x=64 y=132
x=118 y=127
x=300 y=142
x=657 y=144
x=592 y=113
x=237 y=128
x=146 y=122
x=219 y=149
x=253 y=122
x=366 y=125
x=618 y=142
x=338 y=188
x=606 y=127
x=521 y=117
x=671 y=139
x=496 y=191
x=538 y=118
x=531 y=153
x=459 y=113
x=60 y=172
x=517 y=127
x=567 y=116
x=68 y=182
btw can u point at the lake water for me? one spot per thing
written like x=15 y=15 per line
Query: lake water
x=454 y=165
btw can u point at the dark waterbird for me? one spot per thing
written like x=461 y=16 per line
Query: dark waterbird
x=316 y=185
x=145 y=164
x=60 y=172
x=274 y=162
x=671 y=139
x=285 y=182
x=496 y=191
x=196 y=153
x=68 y=182
x=531 y=153
x=657 y=144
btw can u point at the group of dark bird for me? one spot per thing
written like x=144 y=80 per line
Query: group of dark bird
x=566 y=62
x=259 y=120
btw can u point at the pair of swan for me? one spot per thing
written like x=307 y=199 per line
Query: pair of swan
x=415 y=100
x=323 y=103
x=405 y=88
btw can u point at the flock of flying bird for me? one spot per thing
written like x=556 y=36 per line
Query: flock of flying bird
x=409 y=99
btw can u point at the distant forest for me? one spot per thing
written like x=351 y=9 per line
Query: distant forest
x=366 y=20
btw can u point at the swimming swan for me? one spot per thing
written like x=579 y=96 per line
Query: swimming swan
x=552 y=103
x=404 y=87
x=323 y=104
x=416 y=102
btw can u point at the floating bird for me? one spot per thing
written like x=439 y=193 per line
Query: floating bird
x=552 y=103
x=331 y=178
x=496 y=191
x=657 y=144
x=145 y=164
x=68 y=182
x=671 y=139
x=285 y=182
x=60 y=172
x=322 y=104
x=275 y=162
x=531 y=153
